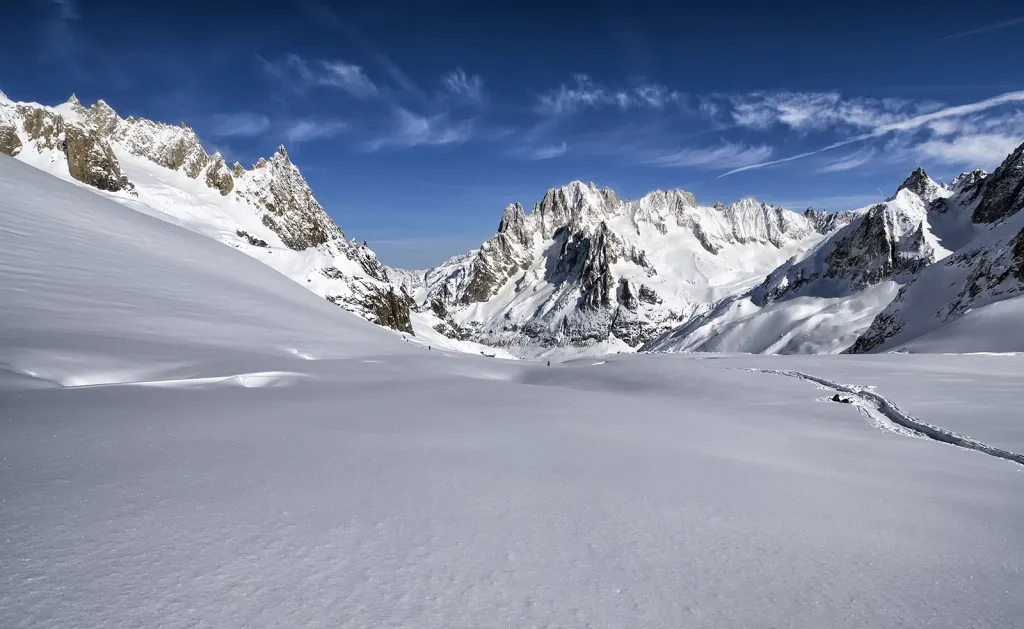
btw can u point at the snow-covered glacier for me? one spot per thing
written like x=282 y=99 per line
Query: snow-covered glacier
x=189 y=438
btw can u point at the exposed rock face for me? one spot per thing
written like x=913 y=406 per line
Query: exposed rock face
x=217 y=175
x=920 y=184
x=104 y=118
x=389 y=308
x=513 y=225
x=10 y=143
x=987 y=272
x=384 y=306
x=45 y=129
x=1003 y=194
x=967 y=181
x=252 y=240
x=988 y=269
x=825 y=222
x=879 y=247
x=172 y=147
x=90 y=157
x=887 y=241
x=92 y=161
x=281 y=195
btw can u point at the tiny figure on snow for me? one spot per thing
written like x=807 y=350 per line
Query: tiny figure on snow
x=549 y=363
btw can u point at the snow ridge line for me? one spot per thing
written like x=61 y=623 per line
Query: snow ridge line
x=900 y=417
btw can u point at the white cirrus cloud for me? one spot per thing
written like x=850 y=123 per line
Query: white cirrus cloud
x=461 y=84
x=815 y=111
x=654 y=95
x=411 y=129
x=348 y=77
x=569 y=99
x=986 y=28
x=725 y=155
x=850 y=161
x=302 y=74
x=306 y=130
x=976 y=151
x=583 y=93
x=549 y=151
x=240 y=124
x=938 y=119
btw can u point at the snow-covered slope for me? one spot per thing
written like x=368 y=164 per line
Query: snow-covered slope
x=194 y=440
x=974 y=299
x=267 y=211
x=96 y=292
x=589 y=271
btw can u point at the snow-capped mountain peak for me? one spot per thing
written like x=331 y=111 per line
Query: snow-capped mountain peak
x=922 y=185
x=268 y=211
x=590 y=270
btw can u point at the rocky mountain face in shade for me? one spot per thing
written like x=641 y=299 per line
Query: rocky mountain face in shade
x=987 y=270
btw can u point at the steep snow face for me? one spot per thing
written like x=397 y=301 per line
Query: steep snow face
x=822 y=300
x=586 y=269
x=100 y=293
x=987 y=270
x=891 y=239
x=268 y=211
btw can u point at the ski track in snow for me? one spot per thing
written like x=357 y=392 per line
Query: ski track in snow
x=890 y=417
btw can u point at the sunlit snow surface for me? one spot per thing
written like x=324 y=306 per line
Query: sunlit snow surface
x=190 y=439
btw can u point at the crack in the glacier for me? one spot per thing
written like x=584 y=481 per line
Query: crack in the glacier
x=893 y=413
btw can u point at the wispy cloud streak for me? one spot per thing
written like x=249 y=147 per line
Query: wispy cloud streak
x=988 y=28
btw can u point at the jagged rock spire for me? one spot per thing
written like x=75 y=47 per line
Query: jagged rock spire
x=920 y=184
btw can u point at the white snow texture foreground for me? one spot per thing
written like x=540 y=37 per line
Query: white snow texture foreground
x=190 y=439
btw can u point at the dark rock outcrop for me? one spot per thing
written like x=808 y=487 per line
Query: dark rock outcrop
x=1003 y=194
x=10 y=143
x=217 y=175
x=252 y=240
x=92 y=161
x=382 y=305
x=920 y=184
x=45 y=129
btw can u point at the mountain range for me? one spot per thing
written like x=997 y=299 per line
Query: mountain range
x=935 y=267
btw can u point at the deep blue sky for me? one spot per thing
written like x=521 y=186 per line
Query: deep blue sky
x=416 y=122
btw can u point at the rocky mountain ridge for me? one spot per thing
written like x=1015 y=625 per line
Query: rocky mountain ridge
x=924 y=258
x=987 y=270
x=587 y=269
x=584 y=270
x=91 y=143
